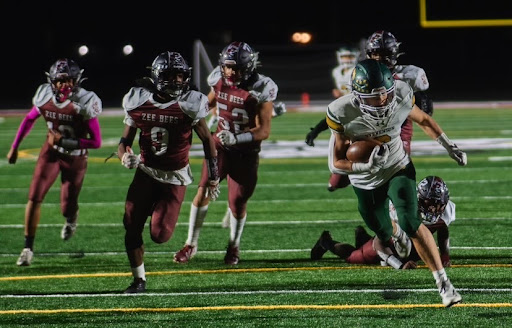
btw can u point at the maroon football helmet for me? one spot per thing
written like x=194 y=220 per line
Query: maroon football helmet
x=65 y=77
x=241 y=59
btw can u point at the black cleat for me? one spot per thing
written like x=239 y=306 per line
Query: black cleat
x=138 y=286
x=319 y=249
x=361 y=236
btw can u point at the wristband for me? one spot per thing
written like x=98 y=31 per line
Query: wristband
x=68 y=143
x=444 y=141
x=394 y=262
x=213 y=169
x=125 y=142
x=244 y=137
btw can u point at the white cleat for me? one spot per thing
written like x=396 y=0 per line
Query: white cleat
x=68 y=230
x=25 y=258
x=448 y=293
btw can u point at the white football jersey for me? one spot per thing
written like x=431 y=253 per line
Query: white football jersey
x=413 y=75
x=343 y=78
x=344 y=116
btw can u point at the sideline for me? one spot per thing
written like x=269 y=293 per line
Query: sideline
x=313 y=106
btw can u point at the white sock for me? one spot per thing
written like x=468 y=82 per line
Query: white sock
x=195 y=222
x=139 y=272
x=237 y=227
x=399 y=234
x=440 y=275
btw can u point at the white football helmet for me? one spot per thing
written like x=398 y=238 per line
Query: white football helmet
x=347 y=57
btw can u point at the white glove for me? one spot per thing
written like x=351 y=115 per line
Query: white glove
x=213 y=189
x=375 y=162
x=130 y=160
x=279 y=109
x=227 y=138
x=458 y=155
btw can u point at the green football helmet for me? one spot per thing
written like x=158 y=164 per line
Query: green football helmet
x=374 y=87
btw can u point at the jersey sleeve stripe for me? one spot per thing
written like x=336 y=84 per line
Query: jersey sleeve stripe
x=333 y=122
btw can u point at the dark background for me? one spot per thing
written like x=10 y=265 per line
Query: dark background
x=470 y=63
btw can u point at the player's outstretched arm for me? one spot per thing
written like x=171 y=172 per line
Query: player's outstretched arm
x=432 y=129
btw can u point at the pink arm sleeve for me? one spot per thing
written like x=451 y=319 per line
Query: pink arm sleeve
x=25 y=126
x=95 y=132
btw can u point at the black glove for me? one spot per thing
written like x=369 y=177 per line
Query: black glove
x=311 y=136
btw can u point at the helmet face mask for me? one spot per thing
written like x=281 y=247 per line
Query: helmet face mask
x=433 y=196
x=374 y=87
x=65 y=77
x=383 y=46
x=170 y=74
x=238 y=62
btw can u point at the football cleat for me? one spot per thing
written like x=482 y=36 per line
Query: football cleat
x=448 y=293
x=68 y=230
x=318 y=249
x=25 y=258
x=361 y=236
x=232 y=255
x=138 y=286
x=185 y=254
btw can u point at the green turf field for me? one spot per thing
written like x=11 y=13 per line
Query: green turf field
x=79 y=283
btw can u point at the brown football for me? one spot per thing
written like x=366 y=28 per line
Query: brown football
x=360 y=151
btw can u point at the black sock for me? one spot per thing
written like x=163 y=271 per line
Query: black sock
x=29 y=242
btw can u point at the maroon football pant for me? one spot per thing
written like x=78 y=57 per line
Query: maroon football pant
x=241 y=171
x=72 y=170
x=364 y=254
x=338 y=181
x=149 y=197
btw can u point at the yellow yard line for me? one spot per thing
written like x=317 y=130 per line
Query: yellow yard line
x=260 y=308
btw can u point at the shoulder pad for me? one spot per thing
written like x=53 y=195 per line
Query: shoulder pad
x=403 y=90
x=341 y=111
x=43 y=94
x=135 y=98
x=90 y=104
x=264 y=89
x=214 y=76
x=194 y=104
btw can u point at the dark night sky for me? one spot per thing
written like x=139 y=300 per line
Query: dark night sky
x=34 y=36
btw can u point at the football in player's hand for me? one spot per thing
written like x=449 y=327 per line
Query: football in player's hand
x=360 y=151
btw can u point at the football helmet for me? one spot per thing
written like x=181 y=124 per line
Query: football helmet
x=347 y=57
x=240 y=60
x=433 y=196
x=374 y=87
x=170 y=73
x=65 y=77
x=385 y=45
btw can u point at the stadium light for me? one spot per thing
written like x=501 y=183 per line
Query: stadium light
x=127 y=49
x=83 y=50
x=301 y=37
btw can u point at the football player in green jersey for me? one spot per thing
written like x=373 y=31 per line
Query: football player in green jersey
x=376 y=109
